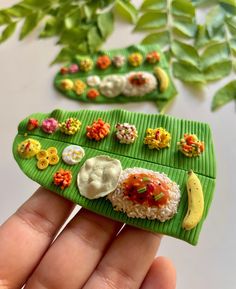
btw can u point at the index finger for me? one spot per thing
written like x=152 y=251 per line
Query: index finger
x=27 y=234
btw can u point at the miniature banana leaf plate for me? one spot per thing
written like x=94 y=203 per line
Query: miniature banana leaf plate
x=169 y=161
x=162 y=99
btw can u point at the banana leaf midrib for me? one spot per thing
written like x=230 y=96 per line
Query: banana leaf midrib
x=104 y=151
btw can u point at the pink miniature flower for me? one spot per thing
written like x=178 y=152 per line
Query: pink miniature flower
x=50 y=125
x=74 y=68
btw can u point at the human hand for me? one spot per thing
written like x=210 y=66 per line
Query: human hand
x=87 y=254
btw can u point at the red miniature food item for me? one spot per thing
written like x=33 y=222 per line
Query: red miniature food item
x=138 y=79
x=146 y=189
x=92 y=93
x=103 y=62
x=153 y=57
x=64 y=70
x=98 y=130
x=62 y=178
x=32 y=124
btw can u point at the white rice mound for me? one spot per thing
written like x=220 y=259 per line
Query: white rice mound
x=121 y=202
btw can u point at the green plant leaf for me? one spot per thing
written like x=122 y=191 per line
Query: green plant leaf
x=31 y=21
x=185 y=52
x=214 y=20
x=185 y=27
x=232 y=44
x=188 y=72
x=51 y=28
x=4 y=18
x=69 y=36
x=94 y=40
x=160 y=38
x=126 y=10
x=214 y=54
x=157 y=5
x=218 y=70
x=105 y=24
x=151 y=20
x=183 y=8
x=224 y=95
x=202 y=38
x=231 y=23
x=72 y=19
x=8 y=31
x=18 y=11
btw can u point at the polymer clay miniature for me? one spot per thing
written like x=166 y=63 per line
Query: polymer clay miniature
x=144 y=193
x=157 y=138
x=126 y=133
x=98 y=176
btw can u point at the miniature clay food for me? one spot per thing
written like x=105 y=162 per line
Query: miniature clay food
x=71 y=126
x=157 y=138
x=112 y=85
x=74 y=68
x=190 y=145
x=163 y=78
x=153 y=57
x=73 y=154
x=47 y=157
x=103 y=62
x=32 y=124
x=67 y=84
x=93 y=80
x=49 y=125
x=64 y=70
x=62 y=178
x=86 y=64
x=28 y=148
x=135 y=59
x=143 y=193
x=98 y=177
x=118 y=61
x=139 y=84
x=126 y=133
x=92 y=93
x=79 y=87
x=98 y=130
x=195 y=202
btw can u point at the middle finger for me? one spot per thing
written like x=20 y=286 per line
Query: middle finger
x=75 y=254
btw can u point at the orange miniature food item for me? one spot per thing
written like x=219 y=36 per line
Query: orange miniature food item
x=190 y=145
x=98 y=130
x=146 y=189
x=103 y=62
x=62 y=178
x=32 y=124
x=153 y=57
x=92 y=93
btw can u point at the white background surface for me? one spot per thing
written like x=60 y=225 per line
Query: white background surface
x=26 y=87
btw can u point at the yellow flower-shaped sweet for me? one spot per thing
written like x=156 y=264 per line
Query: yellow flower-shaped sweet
x=67 y=84
x=135 y=59
x=70 y=126
x=79 y=87
x=86 y=64
x=157 y=138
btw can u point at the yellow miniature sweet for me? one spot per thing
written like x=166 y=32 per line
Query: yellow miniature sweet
x=67 y=84
x=79 y=87
x=135 y=59
x=29 y=148
x=157 y=138
x=47 y=157
x=70 y=126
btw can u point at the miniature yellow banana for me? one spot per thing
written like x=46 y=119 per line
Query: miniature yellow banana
x=162 y=77
x=195 y=202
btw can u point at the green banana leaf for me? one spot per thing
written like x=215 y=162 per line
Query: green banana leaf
x=143 y=49
x=167 y=160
